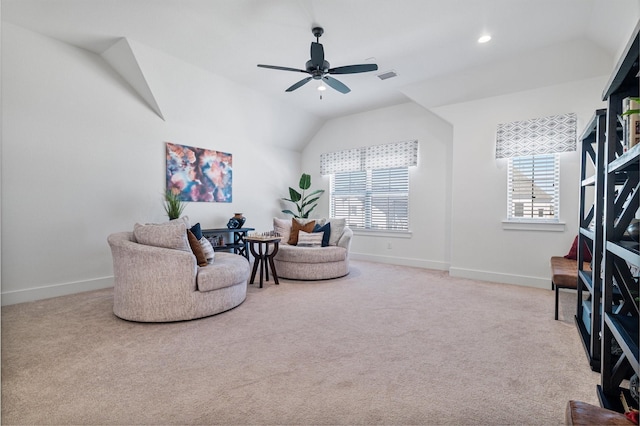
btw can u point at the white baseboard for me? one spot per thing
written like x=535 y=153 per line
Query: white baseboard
x=46 y=292
x=404 y=261
x=498 y=277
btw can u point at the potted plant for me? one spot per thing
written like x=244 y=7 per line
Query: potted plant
x=173 y=205
x=305 y=203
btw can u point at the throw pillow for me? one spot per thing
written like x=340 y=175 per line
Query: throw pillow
x=283 y=228
x=306 y=239
x=173 y=235
x=337 y=227
x=196 y=248
x=326 y=232
x=197 y=231
x=297 y=227
x=573 y=251
x=183 y=219
x=209 y=252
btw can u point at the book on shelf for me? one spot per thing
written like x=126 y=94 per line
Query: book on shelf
x=631 y=136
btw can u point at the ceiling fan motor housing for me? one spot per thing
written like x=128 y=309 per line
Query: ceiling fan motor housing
x=317 y=32
x=317 y=73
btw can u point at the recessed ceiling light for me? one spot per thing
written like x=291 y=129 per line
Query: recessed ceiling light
x=485 y=38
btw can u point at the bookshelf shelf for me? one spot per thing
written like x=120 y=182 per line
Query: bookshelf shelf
x=620 y=255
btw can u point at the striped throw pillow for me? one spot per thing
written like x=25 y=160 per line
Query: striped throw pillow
x=209 y=253
x=308 y=239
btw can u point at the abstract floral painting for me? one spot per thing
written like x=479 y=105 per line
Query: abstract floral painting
x=198 y=174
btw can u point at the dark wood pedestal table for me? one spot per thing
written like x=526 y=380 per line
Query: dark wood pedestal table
x=263 y=258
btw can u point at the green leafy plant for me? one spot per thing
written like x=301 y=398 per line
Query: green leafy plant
x=173 y=205
x=305 y=203
x=632 y=111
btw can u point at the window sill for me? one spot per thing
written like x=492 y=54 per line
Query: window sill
x=521 y=225
x=388 y=234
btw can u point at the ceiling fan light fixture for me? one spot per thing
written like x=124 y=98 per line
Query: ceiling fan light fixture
x=322 y=87
x=484 y=38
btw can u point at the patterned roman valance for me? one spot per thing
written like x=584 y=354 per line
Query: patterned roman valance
x=546 y=135
x=386 y=156
x=349 y=160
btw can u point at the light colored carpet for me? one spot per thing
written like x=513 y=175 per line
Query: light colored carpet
x=384 y=345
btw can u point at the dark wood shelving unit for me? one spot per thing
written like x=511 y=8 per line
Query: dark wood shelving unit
x=238 y=246
x=621 y=257
x=588 y=316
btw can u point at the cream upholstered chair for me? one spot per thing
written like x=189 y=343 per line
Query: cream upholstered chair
x=313 y=262
x=160 y=284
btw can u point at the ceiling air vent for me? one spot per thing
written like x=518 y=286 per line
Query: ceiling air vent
x=387 y=74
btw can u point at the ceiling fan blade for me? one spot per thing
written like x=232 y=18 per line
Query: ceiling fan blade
x=353 y=69
x=275 y=67
x=339 y=86
x=317 y=55
x=299 y=84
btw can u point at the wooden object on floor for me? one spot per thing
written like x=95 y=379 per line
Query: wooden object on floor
x=581 y=413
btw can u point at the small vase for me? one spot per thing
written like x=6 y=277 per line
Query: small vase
x=241 y=219
x=236 y=221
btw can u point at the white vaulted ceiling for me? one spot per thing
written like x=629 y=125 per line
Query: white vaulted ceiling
x=430 y=44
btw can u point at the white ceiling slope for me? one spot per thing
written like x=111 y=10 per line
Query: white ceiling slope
x=431 y=44
x=121 y=58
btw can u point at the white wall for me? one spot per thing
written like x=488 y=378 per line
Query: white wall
x=430 y=181
x=1 y=126
x=83 y=156
x=458 y=199
x=481 y=248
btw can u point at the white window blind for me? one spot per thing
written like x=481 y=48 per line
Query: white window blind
x=372 y=199
x=533 y=188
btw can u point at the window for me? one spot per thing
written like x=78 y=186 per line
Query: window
x=370 y=185
x=372 y=199
x=533 y=188
x=533 y=175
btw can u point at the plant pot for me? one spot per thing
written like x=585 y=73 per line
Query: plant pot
x=236 y=221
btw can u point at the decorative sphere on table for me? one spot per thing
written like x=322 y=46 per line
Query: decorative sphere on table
x=236 y=221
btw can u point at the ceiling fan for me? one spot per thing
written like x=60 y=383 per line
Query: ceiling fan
x=318 y=68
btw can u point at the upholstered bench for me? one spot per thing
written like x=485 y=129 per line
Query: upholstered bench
x=564 y=274
x=581 y=413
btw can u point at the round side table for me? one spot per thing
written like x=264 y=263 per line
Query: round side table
x=262 y=258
